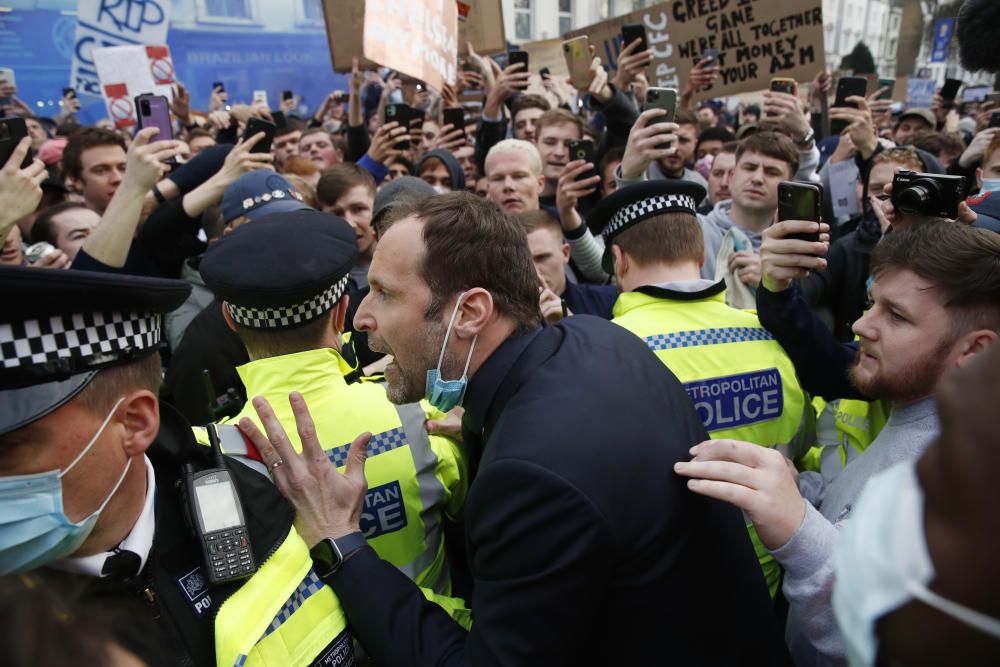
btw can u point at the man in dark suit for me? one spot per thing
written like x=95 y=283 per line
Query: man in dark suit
x=584 y=546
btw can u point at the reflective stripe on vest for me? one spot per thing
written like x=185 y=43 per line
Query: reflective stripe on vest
x=700 y=337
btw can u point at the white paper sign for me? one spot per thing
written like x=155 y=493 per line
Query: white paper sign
x=844 y=189
x=127 y=71
x=106 y=23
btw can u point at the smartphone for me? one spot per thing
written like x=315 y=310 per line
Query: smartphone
x=454 y=116
x=885 y=83
x=260 y=96
x=577 y=53
x=662 y=98
x=950 y=90
x=286 y=95
x=848 y=86
x=784 y=85
x=712 y=55
x=994 y=119
x=7 y=74
x=800 y=201
x=514 y=57
x=993 y=97
x=255 y=125
x=279 y=119
x=12 y=130
x=583 y=150
x=400 y=113
x=632 y=32
x=154 y=111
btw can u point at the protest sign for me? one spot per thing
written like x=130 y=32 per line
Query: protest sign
x=345 y=27
x=107 y=23
x=127 y=71
x=481 y=22
x=757 y=40
x=920 y=92
x=547 y=53
x=417 y=37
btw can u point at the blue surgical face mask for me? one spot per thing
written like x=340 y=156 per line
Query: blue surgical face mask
x=990 y=185
x=882 y=562
x=446 y=394
x=34 y=528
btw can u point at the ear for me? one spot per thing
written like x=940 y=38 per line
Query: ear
x=339 y=314
x=140 y=412
x=230 y=322
x=972 y=344
x=979 y=177
x=621 y=262
x=566 y=253
x=475 y=313
x=541 y=182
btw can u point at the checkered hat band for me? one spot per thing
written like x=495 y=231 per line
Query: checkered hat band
x=284 y=317
x=644 y=208
x=76 y=342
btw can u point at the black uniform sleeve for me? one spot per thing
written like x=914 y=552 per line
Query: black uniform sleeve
x=820 y=360
x=620 y=115
x=530 y=555
x=358 y=142
x=169 y=236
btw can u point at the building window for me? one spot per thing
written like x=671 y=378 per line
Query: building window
x=226 y=11
x=565 y=16
x=522 y=19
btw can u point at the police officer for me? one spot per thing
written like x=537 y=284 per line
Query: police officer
x=290 y=316
x=91 y=467
x=740 y=380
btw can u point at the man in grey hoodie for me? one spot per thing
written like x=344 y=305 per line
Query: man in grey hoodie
x=936 y=296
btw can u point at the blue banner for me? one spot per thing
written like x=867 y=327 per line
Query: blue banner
x=943 y=30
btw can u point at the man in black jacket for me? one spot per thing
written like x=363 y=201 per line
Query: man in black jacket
x=584 y=546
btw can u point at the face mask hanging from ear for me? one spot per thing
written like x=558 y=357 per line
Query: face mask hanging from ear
x=990 y=185
x=446 y=394
x=34 y=528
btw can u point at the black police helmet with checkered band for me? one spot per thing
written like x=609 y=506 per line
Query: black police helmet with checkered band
x=635 y=203
x=59 y=328
x=282 y=270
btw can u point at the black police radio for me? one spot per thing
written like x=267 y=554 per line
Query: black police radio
x=217 y=519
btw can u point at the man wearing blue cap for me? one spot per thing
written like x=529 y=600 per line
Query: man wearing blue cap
x=290 y=316
x=91 y=472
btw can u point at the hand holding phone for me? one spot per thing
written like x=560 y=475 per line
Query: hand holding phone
x=800 y=201
x=848 y=86
x=256 y=125
x=583 y=150
x=577 y=54
x=515 y=57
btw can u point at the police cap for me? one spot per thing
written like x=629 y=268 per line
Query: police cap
x=635 y=203
x=282 y=270
x=58 y=328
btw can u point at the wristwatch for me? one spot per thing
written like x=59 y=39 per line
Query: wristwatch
x=329 y=554
x=806 y=138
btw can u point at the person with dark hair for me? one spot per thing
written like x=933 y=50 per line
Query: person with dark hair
x=524 y=112
x=66 y=226
x=348 y=191
x=945 y=146
x=936 y=307
x=91 y=465
x=317 y=145
x=607 y=168
x=398 y=166
x=199 y=139
x=557 y=553
x=285 y=144
x=93 y=164
x=650 y=153
x=711 y=140
x=740 y=381
x=720 y=177
x=441 y=170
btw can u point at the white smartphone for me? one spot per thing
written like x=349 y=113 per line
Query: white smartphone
x=260 y=96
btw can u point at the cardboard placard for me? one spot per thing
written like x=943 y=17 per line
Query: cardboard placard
x=345 y=27
x=417 y=37
x=127 y=71
x=481 y=22
x=757 y=40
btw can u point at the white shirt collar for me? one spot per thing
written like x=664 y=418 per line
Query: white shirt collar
x=139 y=541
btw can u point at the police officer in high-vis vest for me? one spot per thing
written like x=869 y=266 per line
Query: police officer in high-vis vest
x=290 y=316
x=94 y=474
x=740 y=380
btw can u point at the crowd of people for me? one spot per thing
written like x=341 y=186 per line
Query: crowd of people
x=563 y=383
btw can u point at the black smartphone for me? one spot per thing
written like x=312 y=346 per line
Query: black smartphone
x=455 y=116
x=12 y=130
x=995 y=119
x=583 y=149
x=712 y=55
x=632 y=32
x=255 y=125
x=784 y=85
x=886 y=83
x=219 y=86
x=154 y=111
x=848 y=86
x=949 y=91
x=400 y=113
x=800 y=201
x=279 y=119
x=286 y=95
x=662 y=98
x=514 y=57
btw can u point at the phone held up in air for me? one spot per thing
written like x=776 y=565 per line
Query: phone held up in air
x=848 y=86
x=217 y=519
x=583 y=149
x=154 y=111
x=662 y=98
x=454 y=116
x=800 y=201
x=632 y=32
x=402 y=114
x=949 y=91
x=518 y=56
x=255 y=125
x=784 y=85
x=12 y=130
x=577 y=54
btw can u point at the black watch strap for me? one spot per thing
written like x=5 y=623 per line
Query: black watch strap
x=350 y=543
x=329 y=555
